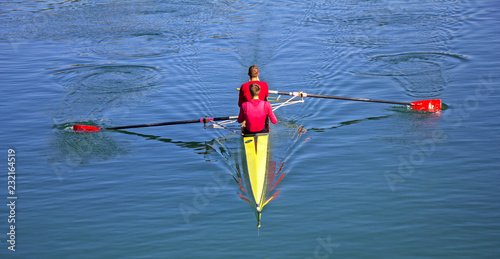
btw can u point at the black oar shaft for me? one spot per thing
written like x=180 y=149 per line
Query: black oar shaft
x=204 y=120
x=342 y=98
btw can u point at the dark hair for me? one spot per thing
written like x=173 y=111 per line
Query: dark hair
x=253 y=71
x=254 y=90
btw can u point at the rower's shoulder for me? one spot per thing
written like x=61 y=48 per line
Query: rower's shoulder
x=245 y=85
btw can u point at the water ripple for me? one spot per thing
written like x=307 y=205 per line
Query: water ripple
x=108 y=78
x=92 y=89
x=136 y=45
x=420 y=74
x=71 y=150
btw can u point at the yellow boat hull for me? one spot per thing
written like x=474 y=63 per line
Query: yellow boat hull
x=257 y=158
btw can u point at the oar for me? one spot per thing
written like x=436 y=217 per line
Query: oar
x=433 y=105
x=86 y=128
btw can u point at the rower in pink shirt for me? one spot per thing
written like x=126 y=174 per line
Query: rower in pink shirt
x=255 y=113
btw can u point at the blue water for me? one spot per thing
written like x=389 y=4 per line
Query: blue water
x=367 y=180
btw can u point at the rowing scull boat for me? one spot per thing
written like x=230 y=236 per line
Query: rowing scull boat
x=256 y=146
x=256 y=165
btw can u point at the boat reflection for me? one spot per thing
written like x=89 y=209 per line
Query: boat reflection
x=269 y=191
x=230 y=147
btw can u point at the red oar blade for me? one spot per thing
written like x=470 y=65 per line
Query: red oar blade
x=427 y=105
x=85 y=128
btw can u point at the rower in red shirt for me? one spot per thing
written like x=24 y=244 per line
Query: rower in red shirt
x=245 y=96
x=255 y=113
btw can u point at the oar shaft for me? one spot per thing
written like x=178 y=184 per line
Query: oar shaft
x=203 y=120
x=300 y=94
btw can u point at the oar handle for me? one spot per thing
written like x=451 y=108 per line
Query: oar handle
x=302 y=94
x=202 y=120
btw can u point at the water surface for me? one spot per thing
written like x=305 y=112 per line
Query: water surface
x=365 y=180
